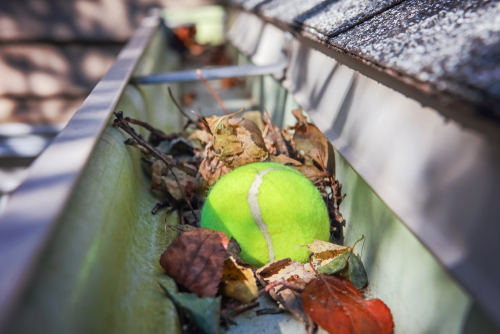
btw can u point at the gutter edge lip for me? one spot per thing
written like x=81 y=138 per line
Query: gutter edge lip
x=18 y=222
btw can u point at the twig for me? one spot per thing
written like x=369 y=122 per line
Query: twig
x=212 y=91
x=283 y=282
x=243 y=308
x=177 y=104
x=122 y=124
x=151 y=129
x=269 y=310
x=159 y=206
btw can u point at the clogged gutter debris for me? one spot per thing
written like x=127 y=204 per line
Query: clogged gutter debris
x=214 y=282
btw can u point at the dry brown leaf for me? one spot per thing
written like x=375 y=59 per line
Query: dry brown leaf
x=211 y=168
x=284 y=160
x=256 y=117
x=195 y=260
x=163 y=180
x=158 y=170
x=293 y=272
x=273 y=137
x=238 y=282
x=201 y=135
x=188 y=98
x=237 y=142
x=337 y=306
x=317 y=177
x=309 y=140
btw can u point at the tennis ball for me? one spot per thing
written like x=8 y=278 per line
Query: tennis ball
x=270 y=209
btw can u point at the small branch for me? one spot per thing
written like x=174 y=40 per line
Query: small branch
x=160 y=206
x=244 y=308
x=212 y=91
x=151 y=129
x=177 y=104
x=122 y=124
x=283 y=282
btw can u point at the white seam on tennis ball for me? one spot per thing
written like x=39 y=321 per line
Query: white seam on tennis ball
x=253 y=202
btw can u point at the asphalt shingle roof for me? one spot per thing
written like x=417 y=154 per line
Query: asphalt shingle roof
x=452 y=46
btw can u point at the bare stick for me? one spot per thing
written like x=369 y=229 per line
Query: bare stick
x=160 y=206
x=212 y=91
x=151 y=129
x=122 y=124
x=244 y=308
x=177 y=104
x=283 y=282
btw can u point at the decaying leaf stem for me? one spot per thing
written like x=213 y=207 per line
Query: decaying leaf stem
x=311 y=264
x=169 y=162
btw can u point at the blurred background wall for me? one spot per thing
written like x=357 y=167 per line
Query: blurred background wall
x=52 y=54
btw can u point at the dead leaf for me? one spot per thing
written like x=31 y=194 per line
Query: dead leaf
x=326 y=250
x=201 y=135
x=227 y=83
x=337 y=306
x=317 y=177
x=188 y=98
x=332 y=259
x=211 y=168
x=309 y=141
x=238 y=282
x=237 y=142
x=183 y=228
x=195 y=260
x=256 y=117
x=284 y=160
x=275 y=143
x=294 y=272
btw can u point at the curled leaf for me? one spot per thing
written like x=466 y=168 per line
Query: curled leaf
x=163 y=180
x=238 y=282
x=310 y=143
x=293 y=272
x=237 y=142
x=337 y=306
x=275 y=142
x=256 y=117
x=211 y=168
x=332 y=259
x=195 y=260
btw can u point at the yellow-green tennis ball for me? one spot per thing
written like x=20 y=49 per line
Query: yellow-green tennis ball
x=270 y=209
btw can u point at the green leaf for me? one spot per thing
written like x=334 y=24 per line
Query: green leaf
x=205 y=312
x=348 y=266
x=357 y=273
x=335 y=266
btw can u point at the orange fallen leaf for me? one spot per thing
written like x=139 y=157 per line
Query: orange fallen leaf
x=195 y=260
x=337 y=306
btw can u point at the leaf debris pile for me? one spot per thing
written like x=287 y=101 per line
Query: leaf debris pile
x=214 y=283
